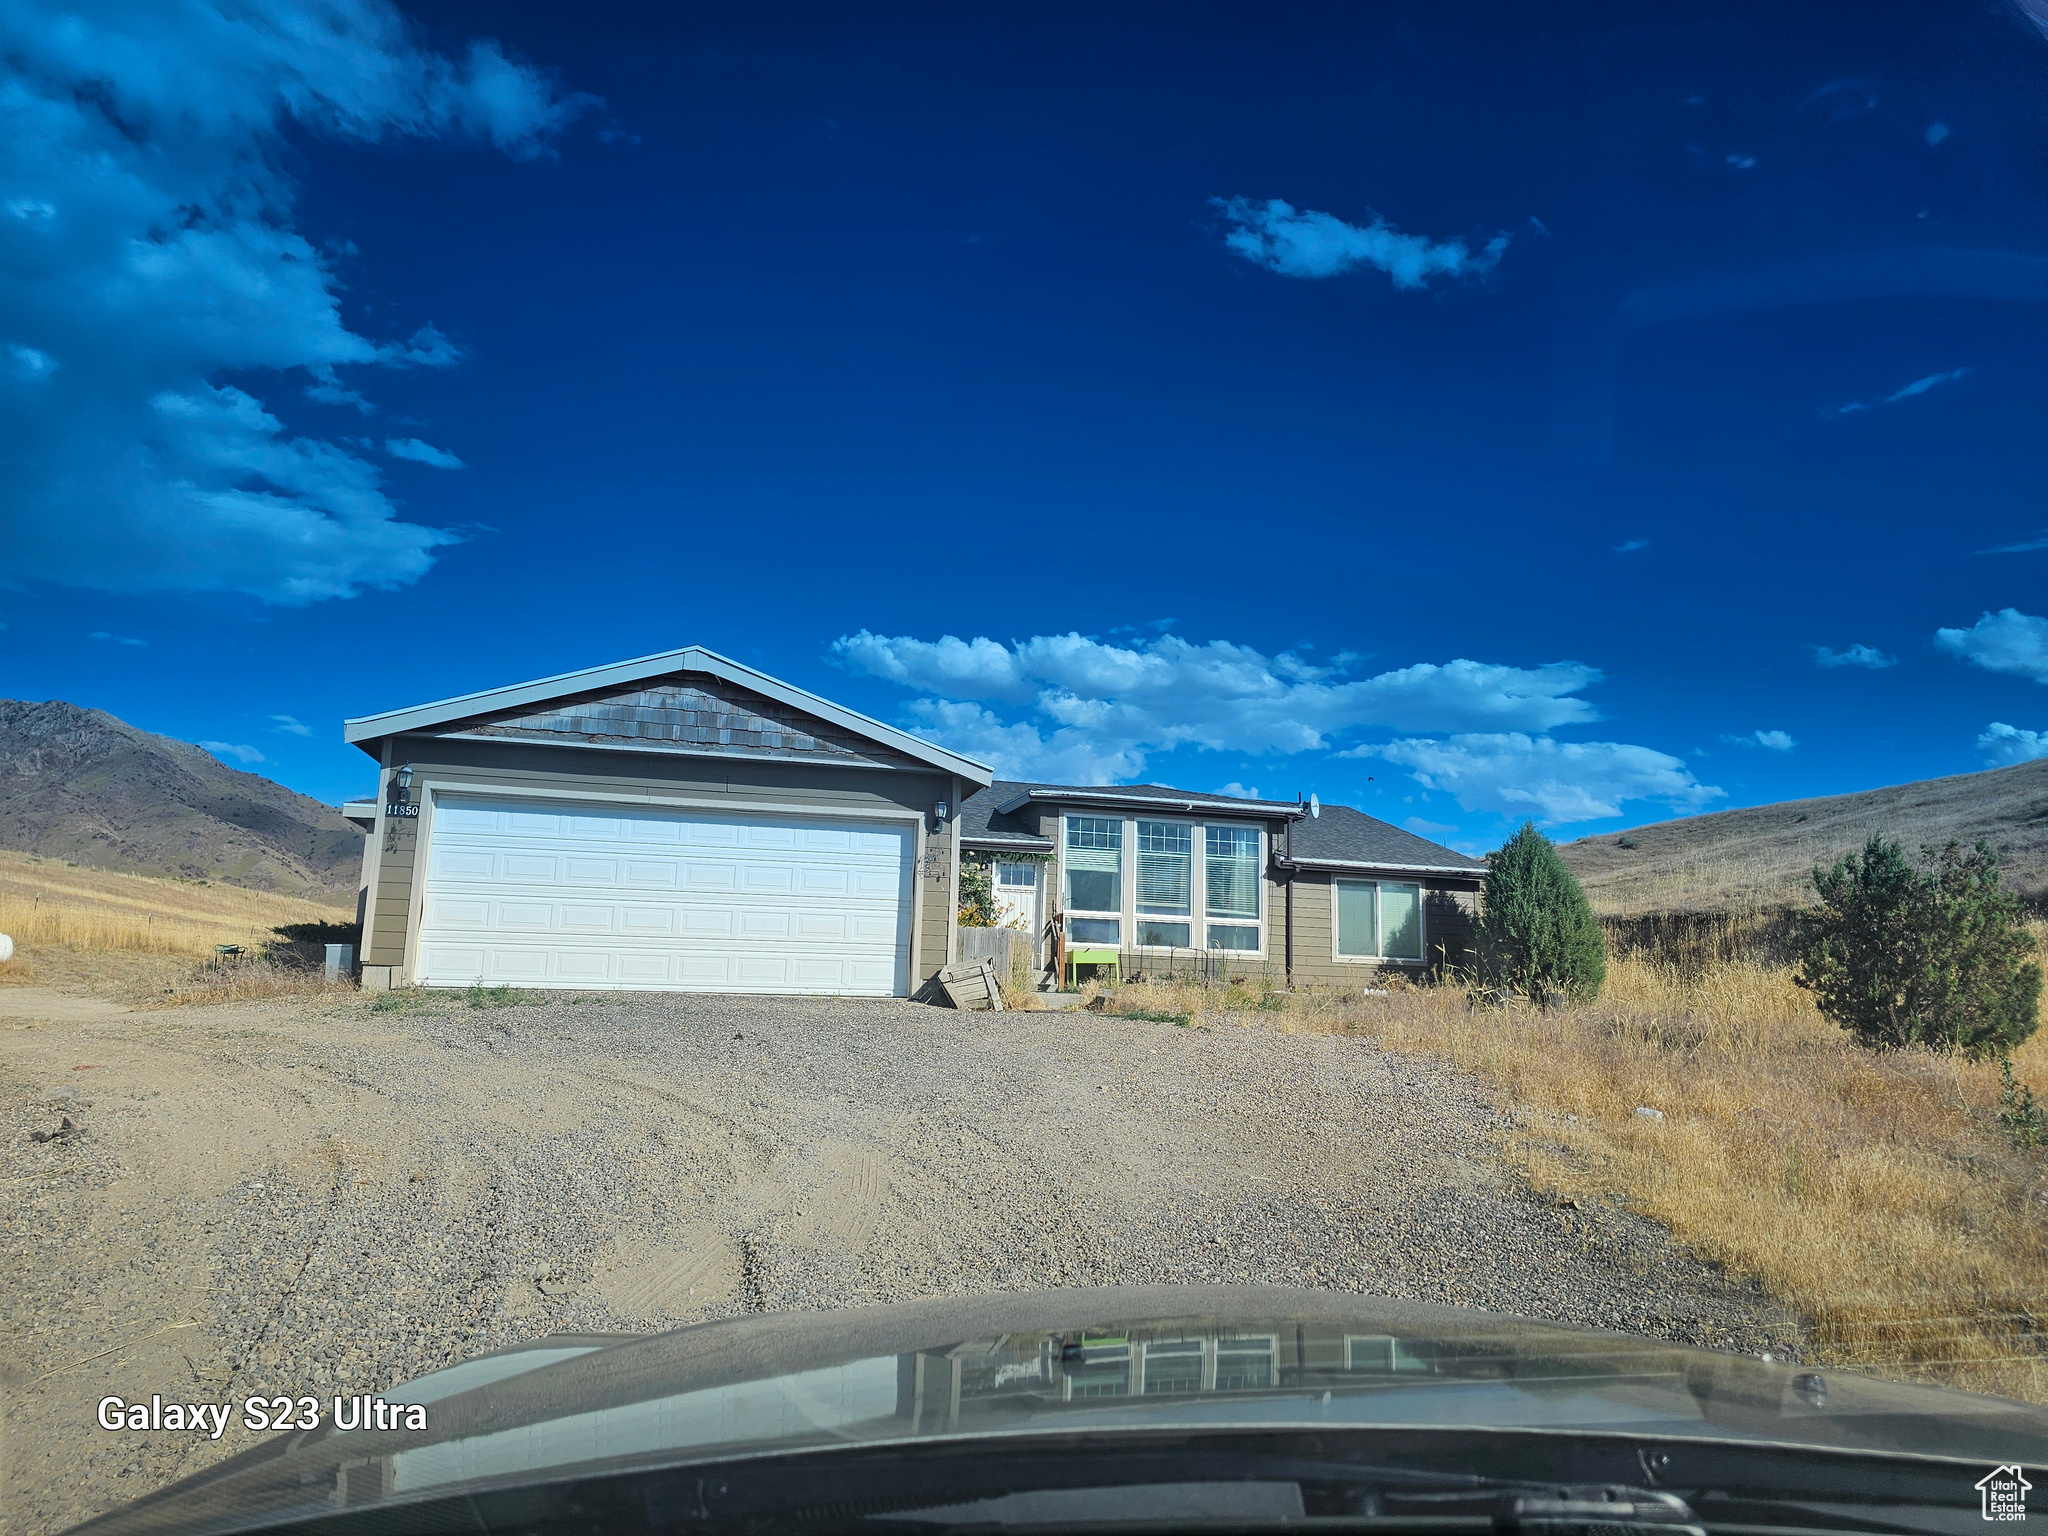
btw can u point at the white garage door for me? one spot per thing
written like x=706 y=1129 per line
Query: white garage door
x=544 y=895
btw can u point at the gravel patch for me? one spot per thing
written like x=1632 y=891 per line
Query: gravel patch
x=291 y=1197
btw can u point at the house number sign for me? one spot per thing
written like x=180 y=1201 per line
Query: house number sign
x=394 y=809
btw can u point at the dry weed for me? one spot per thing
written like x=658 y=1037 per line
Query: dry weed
x=244 y=982
x=1873 y=1193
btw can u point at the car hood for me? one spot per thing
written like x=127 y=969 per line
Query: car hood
x=1132 y=1358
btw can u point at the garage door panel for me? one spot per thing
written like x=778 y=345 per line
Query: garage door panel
x=557 y=896
x=583 y=966
x=660 y=920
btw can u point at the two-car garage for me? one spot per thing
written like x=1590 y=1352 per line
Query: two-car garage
x=538 y=894
x=681 y=822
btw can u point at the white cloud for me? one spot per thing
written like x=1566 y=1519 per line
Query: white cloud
x=1907 y=392
x=240 y=754
x=1770 y=741
x=1631 y=546
x=1099 y=709
x=2002 y=745
x=420 y=453
x=2023 y=547
x=150 y=250
x=1552 y=782
x=101 y=634
x=1237 y=791
x=1310 y=244
x=1854 y=656
x=2007 y=641
x=289 y=726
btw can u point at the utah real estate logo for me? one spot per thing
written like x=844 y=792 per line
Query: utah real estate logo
x=2005 y=1493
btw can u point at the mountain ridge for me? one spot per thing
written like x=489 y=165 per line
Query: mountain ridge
x=84 y=785
x=1764 y=855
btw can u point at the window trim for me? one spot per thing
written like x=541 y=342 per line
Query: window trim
x=1123 y=874
x=1379 y=939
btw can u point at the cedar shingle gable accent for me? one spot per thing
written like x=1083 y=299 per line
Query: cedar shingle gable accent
x=685 y=711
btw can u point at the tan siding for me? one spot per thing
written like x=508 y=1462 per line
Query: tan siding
x=510 y=767
x=1312 y=939
x=1448 y=915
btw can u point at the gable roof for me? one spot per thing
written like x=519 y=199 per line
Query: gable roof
x=1345 y=838
x=366 y=730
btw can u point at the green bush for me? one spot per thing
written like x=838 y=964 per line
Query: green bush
x=977 y=894
x=1934 y=957
x=1536 y=930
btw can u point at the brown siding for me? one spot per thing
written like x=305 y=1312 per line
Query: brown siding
x=512 y=766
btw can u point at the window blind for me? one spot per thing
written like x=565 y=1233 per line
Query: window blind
x=1358 y=924
x=1233 y=872
x=1166 y=868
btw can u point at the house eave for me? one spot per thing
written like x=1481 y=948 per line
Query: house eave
x=1391 y=867
x=364 y=730
x=1249 y=810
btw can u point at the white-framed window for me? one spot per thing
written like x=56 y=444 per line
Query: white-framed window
x=1378 y=920
x=1095 y=879
x=1230 y=882
x=1166 y=883
x=1017 y=877
x=1154 y=882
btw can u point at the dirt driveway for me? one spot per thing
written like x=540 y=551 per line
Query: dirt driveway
x=329 y=1198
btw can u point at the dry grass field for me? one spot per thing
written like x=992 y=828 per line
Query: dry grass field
x=1876 y=1194
x=93 y=927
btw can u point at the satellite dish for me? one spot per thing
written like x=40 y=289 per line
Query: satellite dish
x=1315 y=808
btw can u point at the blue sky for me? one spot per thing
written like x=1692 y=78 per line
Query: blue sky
x=1466 y=413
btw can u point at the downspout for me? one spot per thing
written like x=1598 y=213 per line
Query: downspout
x=1290 y=903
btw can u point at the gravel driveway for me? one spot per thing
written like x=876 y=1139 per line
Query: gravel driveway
x=323 y=1198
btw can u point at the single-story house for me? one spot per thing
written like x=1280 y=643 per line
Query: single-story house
x=1312 y=896
x=681 y=822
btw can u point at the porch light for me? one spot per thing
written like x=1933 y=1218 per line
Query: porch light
x=939 y=811
x=403 y=779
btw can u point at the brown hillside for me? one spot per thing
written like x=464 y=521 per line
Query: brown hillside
x=79 y=784
x=1763 y=856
